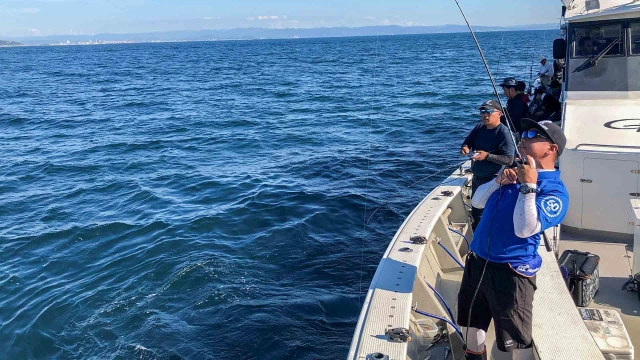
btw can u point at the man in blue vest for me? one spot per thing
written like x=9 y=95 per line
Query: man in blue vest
x=500 y=273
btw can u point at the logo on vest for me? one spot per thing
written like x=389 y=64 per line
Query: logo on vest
x=552 y=206
x=527 y=268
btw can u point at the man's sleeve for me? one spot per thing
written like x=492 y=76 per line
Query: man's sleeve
x=552 y=207
x=483 y=193
x=470 y=139
x=506 y=147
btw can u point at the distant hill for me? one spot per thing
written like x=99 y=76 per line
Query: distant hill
x=263 y=33
x=9 y=43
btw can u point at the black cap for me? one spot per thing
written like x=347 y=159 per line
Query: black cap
x=491 y=104
x=549 y=129
x=520 y=86
x=508 y=82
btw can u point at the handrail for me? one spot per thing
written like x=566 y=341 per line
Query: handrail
x=609 y=146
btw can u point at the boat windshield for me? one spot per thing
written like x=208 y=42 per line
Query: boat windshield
x=591 y=40
x=604 y=56
x=635 y=38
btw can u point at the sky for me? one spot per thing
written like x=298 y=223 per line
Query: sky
x=87 y=17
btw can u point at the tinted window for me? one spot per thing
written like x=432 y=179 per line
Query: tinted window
x=635 y=38
x=591 y=40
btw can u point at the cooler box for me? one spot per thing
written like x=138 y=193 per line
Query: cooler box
x=609 y=332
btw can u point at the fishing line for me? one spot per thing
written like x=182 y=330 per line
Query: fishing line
x=513 y=132
x=417 y=182
x=366 y=189
x=446 y=147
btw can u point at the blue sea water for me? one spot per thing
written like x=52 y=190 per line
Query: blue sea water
x=206 y=200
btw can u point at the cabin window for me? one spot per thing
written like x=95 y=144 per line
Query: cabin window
x=590 y=40
x=635 y=38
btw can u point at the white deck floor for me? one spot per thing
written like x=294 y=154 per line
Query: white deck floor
x=615 y=268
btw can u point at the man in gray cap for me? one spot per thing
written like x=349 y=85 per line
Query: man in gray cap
x=493 y=147
x=516 y=106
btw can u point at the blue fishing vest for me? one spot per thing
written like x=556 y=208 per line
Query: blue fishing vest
x=496 y=227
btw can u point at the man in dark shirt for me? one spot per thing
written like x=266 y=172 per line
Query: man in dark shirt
x=493 y=145
x=516 y=106
x=521 y=86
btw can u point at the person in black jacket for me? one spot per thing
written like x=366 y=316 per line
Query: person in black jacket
x=516 y=106
x=493 y=145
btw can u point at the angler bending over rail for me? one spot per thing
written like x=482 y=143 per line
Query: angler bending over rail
x=500 y=273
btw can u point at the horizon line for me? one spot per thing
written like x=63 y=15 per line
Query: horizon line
x=281 y=29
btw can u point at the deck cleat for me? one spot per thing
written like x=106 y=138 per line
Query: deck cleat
x=398 y=335
x=421 y=240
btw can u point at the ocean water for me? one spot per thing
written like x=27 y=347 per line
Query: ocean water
x=206 y=200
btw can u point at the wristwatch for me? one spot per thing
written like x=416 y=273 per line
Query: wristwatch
x=526 y=189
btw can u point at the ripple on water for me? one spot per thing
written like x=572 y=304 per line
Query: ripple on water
x=206 y=200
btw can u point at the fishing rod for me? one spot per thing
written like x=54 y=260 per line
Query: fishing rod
x=531 y=77
x=500 y=57
x=523 y=160
x=493 y=83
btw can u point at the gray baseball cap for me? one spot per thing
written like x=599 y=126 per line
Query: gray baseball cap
x=508 y=82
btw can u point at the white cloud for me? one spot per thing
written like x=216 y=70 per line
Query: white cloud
x=34 y=32
x=267 y=17
x=211 y=18
x=251 y=18
x=369 y=18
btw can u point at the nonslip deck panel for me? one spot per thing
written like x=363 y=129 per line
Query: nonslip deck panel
x=390 y=294
x=559 y=332
x=615 y=269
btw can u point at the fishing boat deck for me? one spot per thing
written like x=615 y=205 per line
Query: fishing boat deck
x=616 y=259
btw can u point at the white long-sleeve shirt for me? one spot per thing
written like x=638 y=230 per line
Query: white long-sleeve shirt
x=546 y=69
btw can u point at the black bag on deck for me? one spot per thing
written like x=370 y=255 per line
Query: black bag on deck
x=584 y=275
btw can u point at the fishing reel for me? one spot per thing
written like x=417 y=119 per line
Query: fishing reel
x=523 y=161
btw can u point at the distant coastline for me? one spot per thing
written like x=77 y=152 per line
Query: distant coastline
x=258 y=34
x=9 y=43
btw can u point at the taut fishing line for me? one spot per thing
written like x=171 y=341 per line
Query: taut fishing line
x=523 y=159
x=366 y=188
